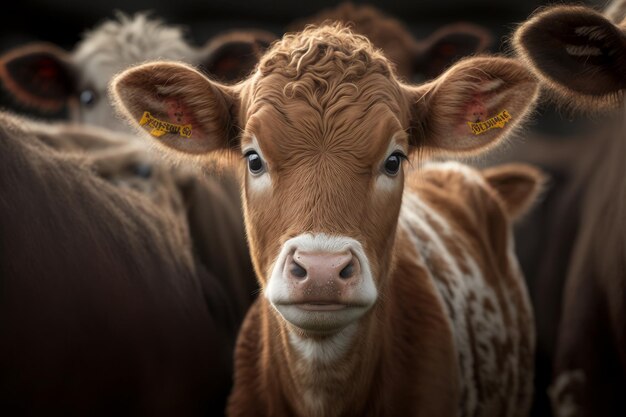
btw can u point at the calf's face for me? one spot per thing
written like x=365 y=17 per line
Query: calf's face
x=323 y=127
x=322 y=197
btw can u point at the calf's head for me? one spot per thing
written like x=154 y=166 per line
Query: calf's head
x=323 y=127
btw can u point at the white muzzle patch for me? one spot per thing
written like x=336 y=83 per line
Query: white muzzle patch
x=344 y=300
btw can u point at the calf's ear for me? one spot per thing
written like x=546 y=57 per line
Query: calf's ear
x=575 y=50
x=447 y=45
x=39 y=75
x=177 y=106
x=517 y=186
x=232 y=56
x=472 y=106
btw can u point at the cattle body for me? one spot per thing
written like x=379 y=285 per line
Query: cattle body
x=414 y=59
x=206 y=207
x=103 y=310
x=580 y=56
x=132 y=320
x=324 y=126
x=545 y=259
x=48 y=78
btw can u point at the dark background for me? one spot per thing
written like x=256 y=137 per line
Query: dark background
x=64 y=22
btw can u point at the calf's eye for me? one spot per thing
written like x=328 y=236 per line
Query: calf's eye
x=88 y=97
x=143 y=170
x=255 y=163
x=393 y=163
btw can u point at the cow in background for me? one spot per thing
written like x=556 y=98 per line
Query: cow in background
x=415 y=60
x=208 y=207
x=580 y=55
x=47 y=78
x=103 y=309
x=363 y=313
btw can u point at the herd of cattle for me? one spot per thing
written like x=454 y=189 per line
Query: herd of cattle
x=279 y=226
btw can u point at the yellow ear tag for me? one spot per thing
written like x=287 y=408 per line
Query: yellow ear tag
x=160 y=127
x=499 y=120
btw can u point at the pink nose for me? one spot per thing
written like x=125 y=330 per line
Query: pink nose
x=323 y=268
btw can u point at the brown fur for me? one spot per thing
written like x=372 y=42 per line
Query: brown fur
x=591 y=336
x=517 y=184
x=105 y=50
x=416 y=360
x=408 y=344
x=206 y=205
x=545 y=259
x=323 y=106
x=103 y=309
x=590 y=369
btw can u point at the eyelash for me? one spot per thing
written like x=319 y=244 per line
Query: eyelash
x=401 y=155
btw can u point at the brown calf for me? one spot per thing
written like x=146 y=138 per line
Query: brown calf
x=424 y=59
x=581 y=57
x=352 y=320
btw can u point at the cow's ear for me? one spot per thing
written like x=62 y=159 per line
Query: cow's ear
x=230 y=57
x=472 y=106
x=447 y=45
x=177 y=106
x=575 y=50
x=517 y=186
x=39 y=75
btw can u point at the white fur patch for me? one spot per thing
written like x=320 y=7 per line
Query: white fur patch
x=470 y=174
x=491 y=85
x=326 y=350
x=479 y=333
x=385 y=182
x=258 y=183
x=359 y=295
x=277 y=286
x=125 y=41
x=116 y=45
x=413 y=216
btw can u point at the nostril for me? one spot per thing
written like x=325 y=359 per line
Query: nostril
x=297 y=270
x=348 y=271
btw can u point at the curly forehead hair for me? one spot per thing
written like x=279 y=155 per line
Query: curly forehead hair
x=322 y=63
x=323 y=50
